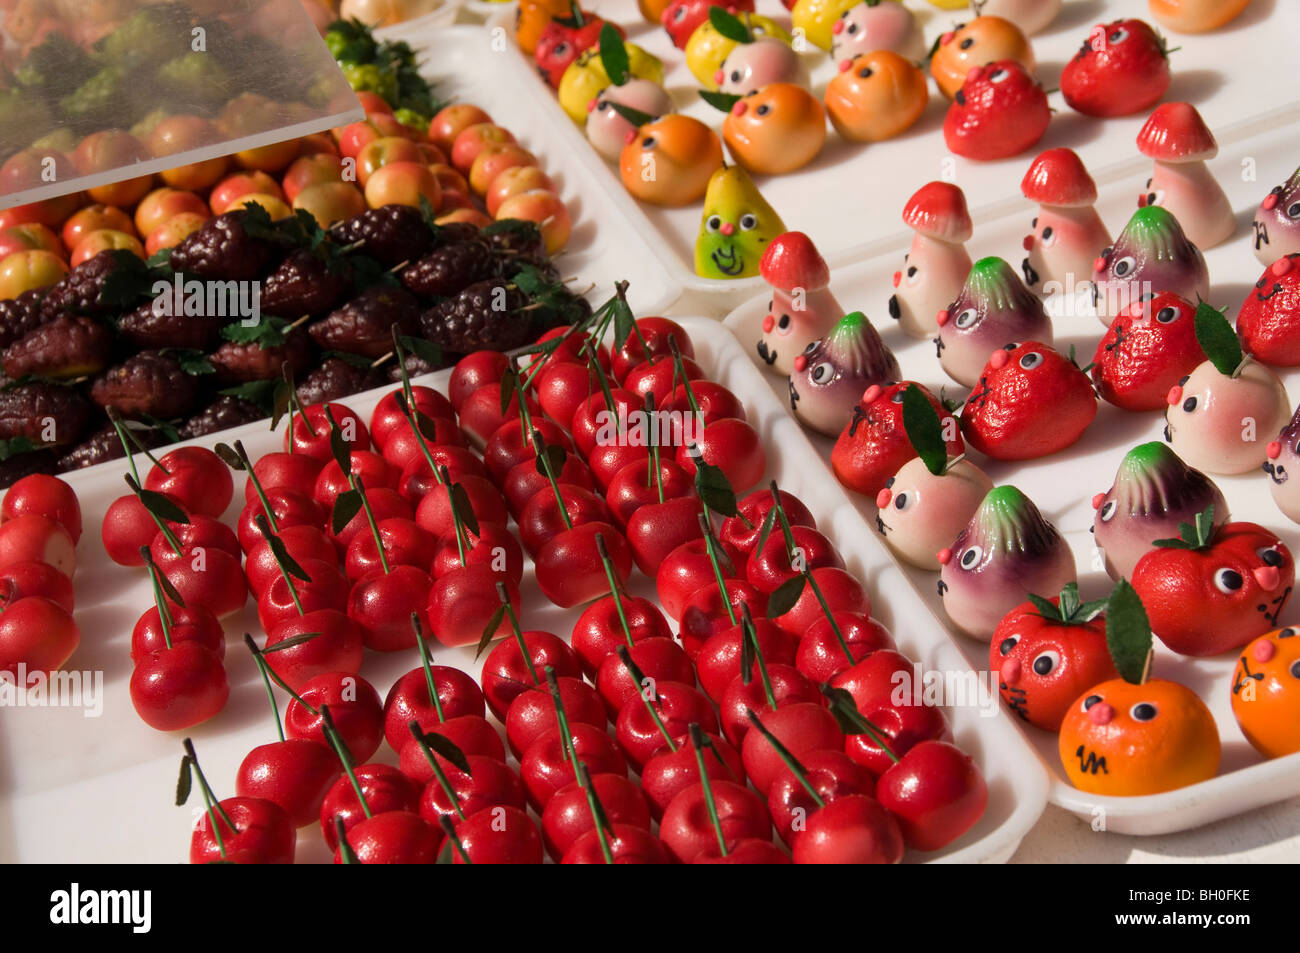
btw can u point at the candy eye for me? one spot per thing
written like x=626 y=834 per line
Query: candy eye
x=998 y=76
x=903 y=501
x=1047 y=662
x=865 y=72
x=971 y=557
x=853 y=28
x=1048 y=238
x=1167 y=315
x=784 y=324
x=1295 y=668
x=1143 y=711
x=679 y=14
x=1293 y=210
x=1090 y=701
x=1189 y=405
x=967 y=43
x=1108 y=511
x=735 y=76
x=1125 y=266
x=1031 y=360
x=763 y=110
x=713 y=224
x=1007 y=644
x=897 y=398
x=559 y=50
x=648 y=142
x=1117 y=36
x=822 y=373
x=748 y=223
x=1228 y=581
x=913 y=274
x=967 y=318
x=1270 y=556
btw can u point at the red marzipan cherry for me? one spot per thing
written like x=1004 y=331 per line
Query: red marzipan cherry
x=678 y=705
x=328 y=589
x=417 y=479
x=658 y=376
x=42 y=495
x=512 y=445
x=563 y=387
x=654 y=331
x=803 y=727
x=789 y=687
x=873 y=685
x=935 y=792
x=302 y=543
x=751 y=850
x=473 y=371
x=384 y=504
x=669 y=773
x=657 y=529
x=199 y=531
x=369 y=467
x=354 y=706
x=196 y=478
x=523 y=482
x=37 y=632
x=494 y=547
x=381 y=604
x=336 y=648
x=532 y=713
x=569 y=568
x=462 y=603
x=291 y=508
x=683 y=572
x=832 y=774
x=480 y=415
x=598 y=423
x=295 y=773
x=499 y=835
x=179 y=687
x=189 y=624
x=207 y=577
x=718 y=661
x=279 y=469
x=572 y=348
x=568 y=815
x=714 y=401
x=406 y=543
x=852 y=829
x=540 y=519
x=434 y=514
x=739 y=538
x=408 y=700
x=506 y=673
x=387 y=417
x=820 y=655
x=491 y=783
x=606 y=462
x=127 y=526
x=394 y=837
x=731 y=445
x=687 y=830
x=840 y=589
x=627 y=845
x=299 y=439
x=769 y=567
x=634 y=487
x=38 y=538
x=545 y=767
x=31 y=578
x=658 y=659
x=386 y=789
x=403 y=446
x=704 y=615
x=599 y=631
x=263 y=834
x=472 y=734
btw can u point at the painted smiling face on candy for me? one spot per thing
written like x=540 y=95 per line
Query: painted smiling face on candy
x=833 y=372
x=993 y=309
x=1150 y=256
x=1277 y=222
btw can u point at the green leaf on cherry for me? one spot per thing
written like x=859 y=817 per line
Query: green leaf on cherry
x=509 y=383
x=281 y=554
x=168 y=588
x=462 y=509
x=784 y=598
x=425 y=424
x=162 y=507
x=444 y=746
x=1217 y=339
x=747 y=654
x=490 y=630
x=229 y=456
x=290 y=642
x=845 y=710
x=730 y=26
x=720 y=101
x=554 y=457
x=339 y=447
x=924 y=430
x=1128 y=633
x=613 y=55
x=184 y=783
x=769 y=521
x=635 y=116
x=346 y=505
x=714 y=488
x=624 y=322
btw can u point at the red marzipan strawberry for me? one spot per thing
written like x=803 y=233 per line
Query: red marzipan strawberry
x=1030 y=401
x=1269 y=321
x=565 y=39
x=1121 y=69
x=1148 y=349
x=873 y=445
x=1210 y=591
x=1000 y=111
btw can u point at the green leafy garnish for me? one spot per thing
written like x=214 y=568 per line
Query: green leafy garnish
x=1217 y=339
x=613 y=55
x=924 y=430
x=1128 y=633
x=720 y=101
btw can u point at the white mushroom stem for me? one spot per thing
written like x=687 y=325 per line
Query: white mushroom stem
x=1196 y=199
x=1079 y=235
x=942 y=267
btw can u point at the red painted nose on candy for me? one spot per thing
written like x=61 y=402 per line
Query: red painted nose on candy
x=1010 y=671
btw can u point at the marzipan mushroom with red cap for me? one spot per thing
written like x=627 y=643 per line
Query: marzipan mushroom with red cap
x=937 y=263
x=1179 y=141
x=802 y=308
x=1067 y=231
x=1032 y=16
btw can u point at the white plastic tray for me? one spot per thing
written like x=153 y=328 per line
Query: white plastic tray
x=83 y=790
x=460 y=62
x=1063 y=485
x=850 y=198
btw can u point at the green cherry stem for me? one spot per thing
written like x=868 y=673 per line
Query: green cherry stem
x=462 y=536
x=717 y=568
x=654 y=477
x=453 y=837
x=428 y=668
x=266 y=681
x=598 y=815
x=525 y=416
x=444 y=782
x=679 y=370
x=405 y=408
x=615 y=590
x=345 y=757
x=784 y=753
x=504 y=596
x=370 y=518
x=858 y=720
x=166 y=530
x=697 y=742
x=787 y=531
x=346 y=853
x=540 y=446
x=830 y=616
x=164 y=613
x=637 y=676
x=257 y=485
x=749 y=631
x=214 y=803
x=261 y=656
x=603 y=382
x=265 y=530
x=567 y=748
